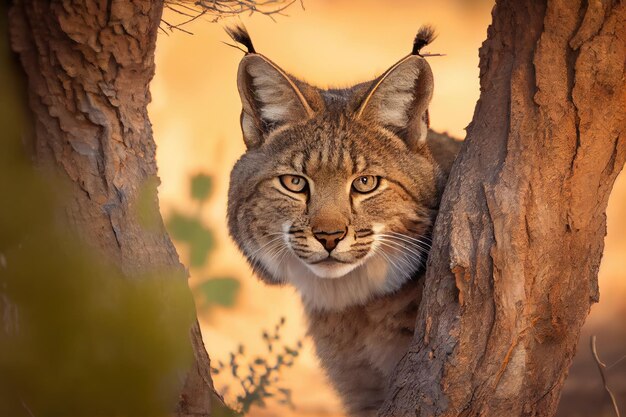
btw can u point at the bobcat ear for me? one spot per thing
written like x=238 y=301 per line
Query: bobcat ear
x=269 y=96
x=399 y=98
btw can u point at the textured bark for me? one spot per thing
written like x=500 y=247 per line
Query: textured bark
x=88 y=65
x=519 y=238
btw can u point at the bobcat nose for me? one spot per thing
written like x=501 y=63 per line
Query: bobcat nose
x=330 y=239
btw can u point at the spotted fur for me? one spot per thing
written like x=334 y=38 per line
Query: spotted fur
x=360 y=293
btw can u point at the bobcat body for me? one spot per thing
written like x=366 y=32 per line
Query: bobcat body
x=336 y=195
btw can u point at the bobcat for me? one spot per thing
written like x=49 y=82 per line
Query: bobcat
x=336 y=195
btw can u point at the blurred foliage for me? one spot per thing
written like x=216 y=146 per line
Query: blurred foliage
x=77 y=337
x=258 y=377
x=201 y=187
x=190 y=230
x=218 y=291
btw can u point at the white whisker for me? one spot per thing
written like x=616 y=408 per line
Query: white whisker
x=415 y=239
x=422 y=240
x=415 y=255
x=276 y=251
x=254 y=254
x=409 y=239
x=404 y=259
x=285 y=252
x=389 y=260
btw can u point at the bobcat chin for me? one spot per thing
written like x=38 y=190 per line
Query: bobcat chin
x=336 y=195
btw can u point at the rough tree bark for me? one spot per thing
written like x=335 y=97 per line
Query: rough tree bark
x=89 y=64
x=519 y=238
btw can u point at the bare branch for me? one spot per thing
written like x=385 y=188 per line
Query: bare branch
x=219 y=9
x=601 y=368
x=235 y=46
x=617 y=362
x=28 y=410
x=172 y=27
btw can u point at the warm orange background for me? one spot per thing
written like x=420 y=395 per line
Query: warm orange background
x=195 y=112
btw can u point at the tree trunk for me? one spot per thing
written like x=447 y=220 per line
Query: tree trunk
x=519 y=238
x=89 y=64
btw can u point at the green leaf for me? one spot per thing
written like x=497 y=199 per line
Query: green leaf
x=182 y=227
x=190 y=230
x=201 y=245
x=219 y=291
x=201 y=187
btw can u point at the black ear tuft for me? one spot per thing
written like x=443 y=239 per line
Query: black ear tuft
x=425 y=35
x=240 y=35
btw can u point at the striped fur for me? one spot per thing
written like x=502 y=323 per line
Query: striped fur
x=362 y=297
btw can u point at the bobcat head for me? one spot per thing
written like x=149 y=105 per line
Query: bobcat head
x=338 y=189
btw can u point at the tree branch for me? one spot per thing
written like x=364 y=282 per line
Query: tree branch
x=219 y=9
x=601 y=368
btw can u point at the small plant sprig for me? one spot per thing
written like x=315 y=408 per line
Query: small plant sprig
x=259 y=377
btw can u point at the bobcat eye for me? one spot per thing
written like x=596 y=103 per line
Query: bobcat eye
x=293 y=183
x=365 y=184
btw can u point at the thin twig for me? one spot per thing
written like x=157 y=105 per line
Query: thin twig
x=219 y=9
x=601 y=368
x=174 y=9
x=616 y=362
x=235 y=46
x=171 y=27
x=191 y=19
x=28 y=410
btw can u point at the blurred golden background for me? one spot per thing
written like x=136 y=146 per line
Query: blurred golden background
x=195 y=113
